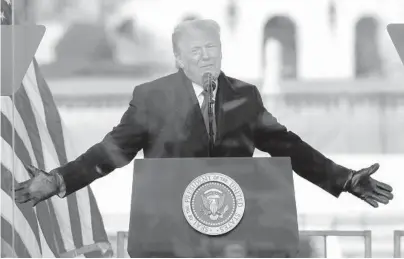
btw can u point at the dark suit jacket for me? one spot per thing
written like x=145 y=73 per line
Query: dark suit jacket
x=165 y=120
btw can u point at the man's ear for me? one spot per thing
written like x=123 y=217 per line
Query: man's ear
x=179 y=63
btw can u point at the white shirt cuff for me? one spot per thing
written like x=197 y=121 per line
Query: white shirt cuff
x=61 y=184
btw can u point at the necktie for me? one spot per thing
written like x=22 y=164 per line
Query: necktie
x=209 y=116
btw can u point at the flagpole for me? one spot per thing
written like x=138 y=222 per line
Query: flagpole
x=1 y=21
x=13 y=124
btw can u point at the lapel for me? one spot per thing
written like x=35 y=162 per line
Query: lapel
x=232 y=107
x=189 y=109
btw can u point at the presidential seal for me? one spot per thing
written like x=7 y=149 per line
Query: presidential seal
x=213 y=204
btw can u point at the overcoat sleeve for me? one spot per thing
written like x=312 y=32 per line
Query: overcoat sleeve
x=116 y=150
x=274 y=138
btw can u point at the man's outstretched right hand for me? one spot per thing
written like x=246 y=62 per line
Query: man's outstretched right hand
x=40 y=187
x=363 y=186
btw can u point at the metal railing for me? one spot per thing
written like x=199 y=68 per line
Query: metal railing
x=104 y=248
x=120 y=244
x=398 y=235
x=366 y=234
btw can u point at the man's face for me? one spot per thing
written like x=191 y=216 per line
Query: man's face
x=199 y=52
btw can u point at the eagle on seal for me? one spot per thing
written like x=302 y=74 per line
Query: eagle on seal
x=212 y=204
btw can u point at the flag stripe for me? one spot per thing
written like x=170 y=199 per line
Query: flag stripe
x=6 y=233
x=57 y=205
x=81 y=235
x=7 y=250
x=83 y=202
x=20 y=174
x=24 y=108
x=73 y=228
x=26 y=236
x=56 y=230
x=25 y=209
x=21 y=226
x=48 y=224
x=19 y=148
x=42 y=209
x=24 y=152
x=52 y=116
x=75 y=221
x=81 y=198
x=87 y=216
x=46 y=250
x=21 y=152
x=19 y=127
x=54 y=125
x=98 y=232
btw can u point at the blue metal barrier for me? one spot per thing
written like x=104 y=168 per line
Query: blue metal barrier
x=366 y=234
x=398 y=234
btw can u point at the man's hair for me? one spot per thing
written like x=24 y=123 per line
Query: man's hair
x=189 y=25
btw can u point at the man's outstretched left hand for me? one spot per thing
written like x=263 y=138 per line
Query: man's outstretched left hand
x=363 y=186
x=41 y=186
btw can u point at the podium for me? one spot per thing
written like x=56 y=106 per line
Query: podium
x=213 y=207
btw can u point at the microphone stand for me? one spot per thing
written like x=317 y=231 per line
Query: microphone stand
x=210 y=116
x=207 y=80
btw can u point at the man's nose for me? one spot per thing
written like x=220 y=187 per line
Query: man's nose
x=205 y=53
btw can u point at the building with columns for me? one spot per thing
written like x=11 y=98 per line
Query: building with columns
x=311 y=39
x=264 y=41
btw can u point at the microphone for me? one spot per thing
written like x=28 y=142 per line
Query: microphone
x=209 y=86
x=207 y=81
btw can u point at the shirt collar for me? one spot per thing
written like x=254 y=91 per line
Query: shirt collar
x=199 y=89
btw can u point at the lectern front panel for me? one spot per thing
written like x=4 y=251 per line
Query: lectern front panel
x=193 y=207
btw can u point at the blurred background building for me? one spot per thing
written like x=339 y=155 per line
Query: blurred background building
x=319 y=39
x=327 y=69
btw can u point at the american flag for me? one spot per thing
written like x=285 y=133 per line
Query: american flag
x=69 y=227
